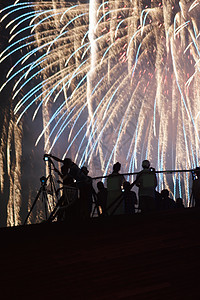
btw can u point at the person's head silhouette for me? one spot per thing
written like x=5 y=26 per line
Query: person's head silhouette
x=116 y=167
x=164 y=193
x=85 y=170
x=145 y=164
x=100 y=185
x=67 y=162
x=126 y=185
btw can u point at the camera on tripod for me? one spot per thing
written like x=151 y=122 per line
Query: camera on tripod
x=43 y=180
x=46 y=157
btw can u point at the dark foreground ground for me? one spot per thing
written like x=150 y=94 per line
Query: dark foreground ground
x=153 y=256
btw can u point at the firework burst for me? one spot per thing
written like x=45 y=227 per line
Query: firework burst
x=117 y=81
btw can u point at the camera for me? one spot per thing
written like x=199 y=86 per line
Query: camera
x=43 y=180
x=46 y=157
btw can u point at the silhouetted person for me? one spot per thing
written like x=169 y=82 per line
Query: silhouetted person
x=86 y=195
x=146 y=181
x=129 y=199
x=114 y=188
x=196 y=187
x=82 y=182
x=67 y=182
x=179 y=203
x=102 y=196
x=167 y=202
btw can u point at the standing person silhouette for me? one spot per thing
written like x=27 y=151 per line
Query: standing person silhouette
x=146 y=181
x=114 y=187
x=129 y=198
x=102 y=197
x=196 y=187
x=86 y=195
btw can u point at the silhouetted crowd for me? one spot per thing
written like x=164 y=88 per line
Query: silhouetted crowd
x=116 y=196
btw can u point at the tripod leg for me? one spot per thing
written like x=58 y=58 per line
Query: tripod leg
x=47 y=206
x=94 y=197
x=36 y=198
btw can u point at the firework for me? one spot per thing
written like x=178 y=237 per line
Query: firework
x=117 y=80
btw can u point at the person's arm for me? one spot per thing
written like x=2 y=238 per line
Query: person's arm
x=56 y=158
x=136 y=182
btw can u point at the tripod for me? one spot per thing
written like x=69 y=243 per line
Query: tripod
x=43 y=193
x=95 y=203
x=51 y=181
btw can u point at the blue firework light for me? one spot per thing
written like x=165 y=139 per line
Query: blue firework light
x=115 y=80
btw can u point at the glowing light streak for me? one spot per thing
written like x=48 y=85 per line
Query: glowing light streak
x=25 y=57
x=12 y=45
x=17 y=108
x=178 y=29
x=154 y=118
x=196 y=46
x=181 y=9
x=182 y=96
x=79 y=131
x=193 y=5
x=84 y=37
x=74 y=19
x=86 y=50
x=101 y=5
x=13 y=76
x=88 y=150
x=29 y=14
x=61 y=130
x=55 y=40
x=75 y=53
x=66 y=11
x=58 y=111
x=107 y=13
x=14 y=50
x=136 y=59
x=107 y=50
x=27 y=81
x=143 y=23
x=179 y=185
x=127 y=51
x=186 y=144
x=118 y=27
x=76 y=120
x=92 y=133
x=28 y=95
x=15 y=10
x=111 y=99
x=19 y=32
x=97 y=85
x=43 y=20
